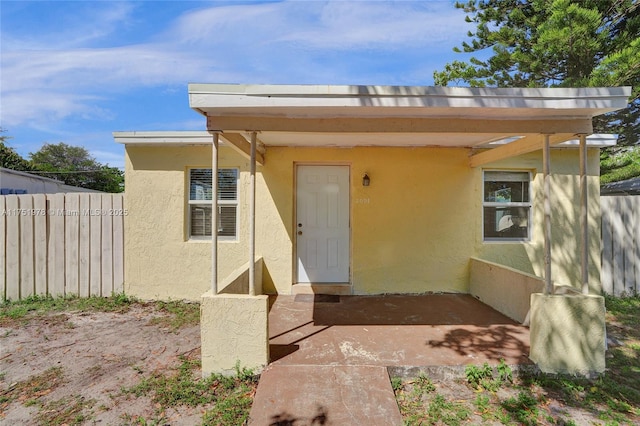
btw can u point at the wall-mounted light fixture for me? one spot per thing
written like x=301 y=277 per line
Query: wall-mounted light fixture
x=366 y=180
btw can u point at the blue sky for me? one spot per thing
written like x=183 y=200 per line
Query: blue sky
x=75 y=71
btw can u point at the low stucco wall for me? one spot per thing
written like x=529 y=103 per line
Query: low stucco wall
x=234 y=332
x=238 y=281
x=568 y=333
x=505 y=289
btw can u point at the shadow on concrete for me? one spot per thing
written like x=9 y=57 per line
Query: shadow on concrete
x=491 y=342
x=285 y=419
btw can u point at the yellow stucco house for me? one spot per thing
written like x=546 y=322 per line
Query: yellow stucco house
x=370 y=190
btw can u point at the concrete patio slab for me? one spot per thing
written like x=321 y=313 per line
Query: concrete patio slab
x=393 y=331
x=324 y=395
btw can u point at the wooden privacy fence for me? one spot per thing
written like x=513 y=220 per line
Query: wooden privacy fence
x=621 y=245
x=61 y=244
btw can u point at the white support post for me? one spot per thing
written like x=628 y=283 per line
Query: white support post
x=584 y=215
x=548 y=289
x=252 y=218
x=214 y=214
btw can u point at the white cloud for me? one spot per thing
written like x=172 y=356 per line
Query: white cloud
x=344 y=25
x=402 y=25
x=73 y=25
x=51 y=76
x=27 y=107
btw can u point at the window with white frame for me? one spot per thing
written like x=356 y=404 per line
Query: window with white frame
x=200 y=203
x=506 y=206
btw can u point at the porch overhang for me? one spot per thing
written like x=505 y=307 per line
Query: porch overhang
x=349 y=116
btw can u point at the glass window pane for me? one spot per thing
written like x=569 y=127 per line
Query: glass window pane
x=506 y=222
x=200 y=220
x=510 y=188
x=227 y=184
x=200 y=184
x=227 y=221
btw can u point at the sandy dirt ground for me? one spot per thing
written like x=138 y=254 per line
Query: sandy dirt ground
x=96 y=355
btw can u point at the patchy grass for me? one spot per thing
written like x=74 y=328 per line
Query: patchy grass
x=497 y=397
x=177 y=314
x=33 y=388
x=173 y=314
x=13 y=313
x=226 y=400
x=70 y=410
x=420 y=403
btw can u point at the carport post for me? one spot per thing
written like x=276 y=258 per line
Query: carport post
x=214 y=213
x=546 y=160
x=584 y=215
x=252 y=219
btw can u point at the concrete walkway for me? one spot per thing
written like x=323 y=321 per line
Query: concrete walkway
x=325 y=395
x=330 y=355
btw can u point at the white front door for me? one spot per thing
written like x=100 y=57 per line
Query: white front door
x=322 y=224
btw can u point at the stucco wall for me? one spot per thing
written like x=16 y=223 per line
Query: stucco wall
x=160 y=260
x=413 y=229
x=410 y=228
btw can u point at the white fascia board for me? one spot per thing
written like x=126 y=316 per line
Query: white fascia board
x=205 y=97
x=165 y=138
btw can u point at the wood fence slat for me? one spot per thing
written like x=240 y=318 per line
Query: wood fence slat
x=56 y=245
x=3 y=248
x=95 y=245
x=71 y=244
x=618 y=250
x=107 y=245
x=27 y=282
x=84 y=236
x=636 y=243
x=607 y=245
x=118 y=243
x=630 y=219
x=13 y=248
x=40 y=242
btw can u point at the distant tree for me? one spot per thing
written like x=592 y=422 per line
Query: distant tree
x=74 y=166
x=547 y=43
x=9 y=158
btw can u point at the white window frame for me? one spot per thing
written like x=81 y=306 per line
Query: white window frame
x=221 y=203
x=528 y=205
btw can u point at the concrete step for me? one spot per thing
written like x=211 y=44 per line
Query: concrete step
x=324 y=395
